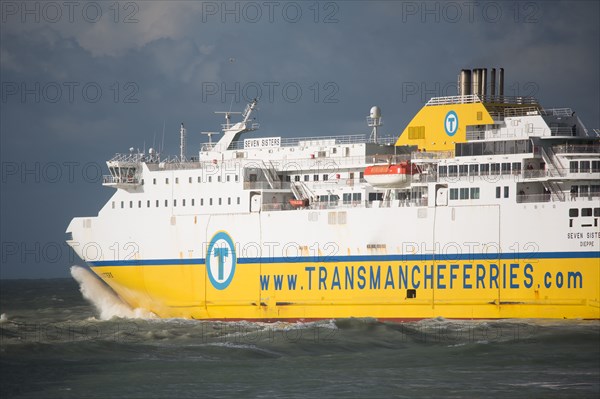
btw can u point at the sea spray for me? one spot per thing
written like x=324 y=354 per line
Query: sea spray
x=104 y=299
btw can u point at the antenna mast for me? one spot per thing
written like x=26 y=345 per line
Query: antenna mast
x=182 y=144
x=374 y=120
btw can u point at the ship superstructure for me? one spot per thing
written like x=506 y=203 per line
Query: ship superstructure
x=486 y=206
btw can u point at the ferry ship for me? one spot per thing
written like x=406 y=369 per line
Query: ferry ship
x=486 y=206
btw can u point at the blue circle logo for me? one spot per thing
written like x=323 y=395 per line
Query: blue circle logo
x=220 y=260
x=451 y=123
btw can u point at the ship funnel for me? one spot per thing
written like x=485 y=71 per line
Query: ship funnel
x=464 y=82
x=484 y=78
x=501 y=83
x=477 y=82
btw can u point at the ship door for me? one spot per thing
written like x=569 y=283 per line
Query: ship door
x=255 y=202
x=441 y=195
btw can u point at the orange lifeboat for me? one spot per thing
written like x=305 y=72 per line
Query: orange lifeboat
x=299 y=203
x=394 y=175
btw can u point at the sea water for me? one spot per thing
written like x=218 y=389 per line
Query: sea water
x=74 y=338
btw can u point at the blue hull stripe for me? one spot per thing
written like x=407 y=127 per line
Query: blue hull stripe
x=517 y=257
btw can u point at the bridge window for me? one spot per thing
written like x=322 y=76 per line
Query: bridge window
x=166 y=203
x=475 y=193
x=443 y=171
x=495 y=168
x=201 y=201
x=464 y=193
x=148 y=204
x=190 y=179
x=573 y=166
x=157 y=203
x=306 y=177
x=595 y=166
x=210 y=202
x=315 y=177
x=573 y=212
x=586 y=212
x=220 y=201
x=183 y=202
x=516 y=167
x=454 y=193
x=498 y=191
x=167 y=180
x=130 y=204
x=474 y=169
x=174 y=203
x=584 y=166
x=154 y=181
x=193 y=202
x=485 y=169
x=452 y=170
x=199 y=180
x=505 y=168
x=228 y=200
x=325 y=177
x=463 y=169
x=238 y=200
x=296 y=178
x=505 y=191
x=139 y=204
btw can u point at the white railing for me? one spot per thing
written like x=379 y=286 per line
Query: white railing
x=467 y=99
x=557 y=112
x=576 y=149
x=521 y=111
x=109 y=179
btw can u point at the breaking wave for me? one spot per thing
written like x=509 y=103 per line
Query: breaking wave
x=105 y=300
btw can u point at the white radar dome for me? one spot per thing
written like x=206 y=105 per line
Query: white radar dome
x=375 y=112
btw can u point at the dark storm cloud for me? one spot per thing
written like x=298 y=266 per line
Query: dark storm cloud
x=161 y=62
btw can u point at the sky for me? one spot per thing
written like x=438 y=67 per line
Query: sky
x=81 y=81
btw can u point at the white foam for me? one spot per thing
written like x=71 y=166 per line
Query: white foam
x=3 y=318
x=105 y=300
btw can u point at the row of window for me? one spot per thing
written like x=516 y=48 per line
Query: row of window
x=325 y=177
x=494 y=148
x=199 y=179
x=585 y=190
x=192 y=202
x=584 y=166
x=464 y=193
x=574 y=212
x=499 y=192
x=483 y=169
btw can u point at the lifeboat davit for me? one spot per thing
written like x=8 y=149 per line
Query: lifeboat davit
x=393 y=175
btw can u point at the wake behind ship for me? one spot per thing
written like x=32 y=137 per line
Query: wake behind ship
x=486 y=206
